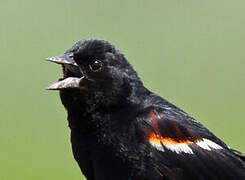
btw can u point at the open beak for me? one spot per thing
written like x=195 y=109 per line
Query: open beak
x=64 y=59
x=69 y=82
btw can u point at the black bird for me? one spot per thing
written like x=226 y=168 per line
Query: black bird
x=122 y=131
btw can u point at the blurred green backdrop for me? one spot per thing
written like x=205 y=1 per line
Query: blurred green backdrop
x=190 y=52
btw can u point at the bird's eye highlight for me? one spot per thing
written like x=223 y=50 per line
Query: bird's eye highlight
x=96 y=65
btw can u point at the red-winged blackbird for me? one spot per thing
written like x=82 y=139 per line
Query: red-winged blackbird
x=122 y=131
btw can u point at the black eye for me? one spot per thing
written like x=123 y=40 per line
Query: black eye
x=96 y=65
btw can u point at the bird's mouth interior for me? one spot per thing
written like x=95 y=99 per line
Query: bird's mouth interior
x=67 y=82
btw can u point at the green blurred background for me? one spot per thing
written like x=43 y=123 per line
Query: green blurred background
x=189 y=52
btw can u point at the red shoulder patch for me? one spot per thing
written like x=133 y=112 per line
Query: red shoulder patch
x=171 y=129
x=153 y=116
x=160 y=139
x=172 y=136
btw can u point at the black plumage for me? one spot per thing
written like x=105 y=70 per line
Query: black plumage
x=120 y=130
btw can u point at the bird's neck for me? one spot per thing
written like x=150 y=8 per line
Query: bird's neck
x=85 y=109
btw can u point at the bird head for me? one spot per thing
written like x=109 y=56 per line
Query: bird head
x=97 y=68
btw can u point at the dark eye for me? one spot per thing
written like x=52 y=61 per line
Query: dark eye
x=96 y=65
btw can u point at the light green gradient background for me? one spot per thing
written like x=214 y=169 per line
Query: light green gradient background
x=189 y=52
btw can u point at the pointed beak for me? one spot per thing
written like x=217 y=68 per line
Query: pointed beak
x=64 y=59
x=69 y=82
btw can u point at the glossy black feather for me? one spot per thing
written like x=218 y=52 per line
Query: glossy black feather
x=202 y=163
x=110 y=125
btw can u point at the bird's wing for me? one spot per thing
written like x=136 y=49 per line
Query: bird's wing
x=239 y=154
x=181 y=143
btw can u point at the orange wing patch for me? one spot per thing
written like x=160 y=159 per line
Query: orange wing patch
x=153 y=137
x=176 y=138
x=160 y=142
